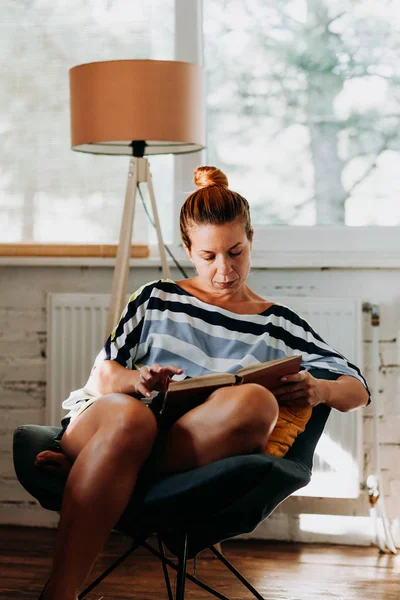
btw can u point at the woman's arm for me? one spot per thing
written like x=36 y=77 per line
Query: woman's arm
x=111 y=377
x=345 y=394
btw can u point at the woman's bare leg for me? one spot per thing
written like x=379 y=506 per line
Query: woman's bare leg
x=233 y=421
x=109 y=442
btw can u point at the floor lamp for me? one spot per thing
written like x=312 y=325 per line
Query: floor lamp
x=136 y=108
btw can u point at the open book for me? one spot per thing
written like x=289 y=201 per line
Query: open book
x=186 y=394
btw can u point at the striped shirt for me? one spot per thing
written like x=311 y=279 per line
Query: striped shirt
x=162 y=323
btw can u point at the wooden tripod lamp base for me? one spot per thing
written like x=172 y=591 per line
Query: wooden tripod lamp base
x=139 y=172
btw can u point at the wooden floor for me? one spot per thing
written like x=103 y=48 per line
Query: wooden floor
x=278 y=570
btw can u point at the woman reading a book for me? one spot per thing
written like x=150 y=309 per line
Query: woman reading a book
x=211 y=323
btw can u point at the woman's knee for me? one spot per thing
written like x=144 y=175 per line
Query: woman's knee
x=256 y=411
x=129 y=422
x=123 y=422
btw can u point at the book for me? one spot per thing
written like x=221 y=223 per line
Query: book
x=182 y=396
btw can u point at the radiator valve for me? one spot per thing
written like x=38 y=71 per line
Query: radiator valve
x=375 y=313
x=373 y=489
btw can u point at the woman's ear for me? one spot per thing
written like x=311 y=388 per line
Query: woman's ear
x=188 y=253
x=251 y=239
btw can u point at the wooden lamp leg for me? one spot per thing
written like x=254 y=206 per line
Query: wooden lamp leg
x=139 y=171
x=161 y=247
x=118 y=291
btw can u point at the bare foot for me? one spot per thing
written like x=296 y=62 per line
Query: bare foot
x=53 y=461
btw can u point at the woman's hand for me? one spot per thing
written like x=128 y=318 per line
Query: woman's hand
x=155 y=377
x=302 y=390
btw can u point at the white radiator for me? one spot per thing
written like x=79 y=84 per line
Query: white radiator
x=76 y=326
x=76 y=331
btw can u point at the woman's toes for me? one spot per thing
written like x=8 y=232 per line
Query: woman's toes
x=55 y=461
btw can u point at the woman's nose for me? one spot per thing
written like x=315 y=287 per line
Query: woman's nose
x=224 y=267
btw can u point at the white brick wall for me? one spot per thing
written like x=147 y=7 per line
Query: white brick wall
x=23 y=292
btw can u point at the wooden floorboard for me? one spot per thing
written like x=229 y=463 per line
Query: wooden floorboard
x=279 y=571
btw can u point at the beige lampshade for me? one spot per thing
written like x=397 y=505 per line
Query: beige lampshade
x=117 y=102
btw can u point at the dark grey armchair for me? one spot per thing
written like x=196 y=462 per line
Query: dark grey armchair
x=190 y=511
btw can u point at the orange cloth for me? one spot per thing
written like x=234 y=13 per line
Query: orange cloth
x=291 y=422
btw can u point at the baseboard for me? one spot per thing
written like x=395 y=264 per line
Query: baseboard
x=322 y=529
x=27 y=515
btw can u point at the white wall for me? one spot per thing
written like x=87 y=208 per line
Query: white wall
x=23 y=290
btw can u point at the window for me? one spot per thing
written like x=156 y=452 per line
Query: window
x=303 y=114
x=303 y=108
x=47 y=192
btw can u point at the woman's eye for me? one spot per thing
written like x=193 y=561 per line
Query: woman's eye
x=208 y=258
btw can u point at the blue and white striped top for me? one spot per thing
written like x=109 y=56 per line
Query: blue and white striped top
x=162 y=323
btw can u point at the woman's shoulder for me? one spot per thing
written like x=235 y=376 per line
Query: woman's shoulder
x=286 y=313
x=148 y=288
x=159 y=289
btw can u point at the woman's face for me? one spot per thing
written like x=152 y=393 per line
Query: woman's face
x=221 y=255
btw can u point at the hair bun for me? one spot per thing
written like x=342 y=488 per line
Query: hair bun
x=209 y=176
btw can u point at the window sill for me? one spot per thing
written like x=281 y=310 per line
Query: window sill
x=73 y=261
x=331 y=259
x=36 y=249
x=260 y=260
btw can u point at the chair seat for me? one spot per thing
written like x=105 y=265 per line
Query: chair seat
x=216 y=502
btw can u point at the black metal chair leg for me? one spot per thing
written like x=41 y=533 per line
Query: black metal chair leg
x=164 y=564
x=190 y=577
x=181 y=579
x=236 y=573
x=135 y=545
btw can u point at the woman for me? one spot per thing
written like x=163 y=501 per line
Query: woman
x=212 y=322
